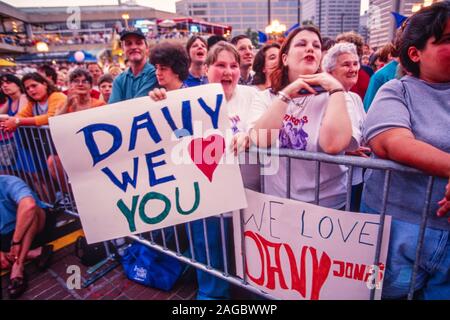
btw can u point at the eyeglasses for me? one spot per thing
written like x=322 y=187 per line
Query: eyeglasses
x=80 y=81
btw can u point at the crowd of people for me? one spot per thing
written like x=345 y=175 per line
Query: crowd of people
x=87 y=37
x=333 y=96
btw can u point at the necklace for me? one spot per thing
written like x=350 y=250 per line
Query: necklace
x=301 y=104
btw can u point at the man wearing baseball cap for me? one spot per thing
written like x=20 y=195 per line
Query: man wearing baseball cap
x=140 y=78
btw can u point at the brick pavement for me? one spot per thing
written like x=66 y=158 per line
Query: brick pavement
x=51 y=284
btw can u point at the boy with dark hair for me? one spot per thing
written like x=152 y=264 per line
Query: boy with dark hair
x=214 y=39
x=244 y=46
x=49 y=72
x=96 y=72
x=105 y=86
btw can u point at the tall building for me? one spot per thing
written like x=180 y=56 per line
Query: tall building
x=66 y=29
x=363 y=28
x=241 y=15
x=332 y=16
x=381 y=22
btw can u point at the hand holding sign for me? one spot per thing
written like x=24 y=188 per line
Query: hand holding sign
x=206 y=153
x=297 y=250
x=128 y=176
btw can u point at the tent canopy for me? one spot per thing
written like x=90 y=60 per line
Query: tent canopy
x=167 y=23
x=6 y=63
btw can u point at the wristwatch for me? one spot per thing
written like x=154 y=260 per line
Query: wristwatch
x=17 y=121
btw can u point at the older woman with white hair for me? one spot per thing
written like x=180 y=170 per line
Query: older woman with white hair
x=342 y=62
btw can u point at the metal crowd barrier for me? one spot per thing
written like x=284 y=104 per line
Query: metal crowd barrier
x=32 y=147
x=25 y=154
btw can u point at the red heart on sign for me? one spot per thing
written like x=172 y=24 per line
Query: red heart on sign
x=206 y=153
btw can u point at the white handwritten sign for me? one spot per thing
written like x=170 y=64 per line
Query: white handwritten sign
x=295 y=250
x=140 y=165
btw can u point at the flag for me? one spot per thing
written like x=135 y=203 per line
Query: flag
x=295 y=26
x=398 y=19
x=262 y=37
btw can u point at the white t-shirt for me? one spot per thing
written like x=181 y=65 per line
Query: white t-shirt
x=357 y=115
x=300 y=131
x=239 y=106
x=238 y=110
x=40 y=108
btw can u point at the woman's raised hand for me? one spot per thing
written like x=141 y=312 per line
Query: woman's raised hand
x=293 y=89
x=324 y=79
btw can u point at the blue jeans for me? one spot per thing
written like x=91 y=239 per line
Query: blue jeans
x=355 y=203
x=210 y=287
x=433 y=276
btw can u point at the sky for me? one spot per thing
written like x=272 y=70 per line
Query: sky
x=165 y=5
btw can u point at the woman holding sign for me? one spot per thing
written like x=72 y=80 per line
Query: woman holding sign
x=222 y=66
x=171 y=63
